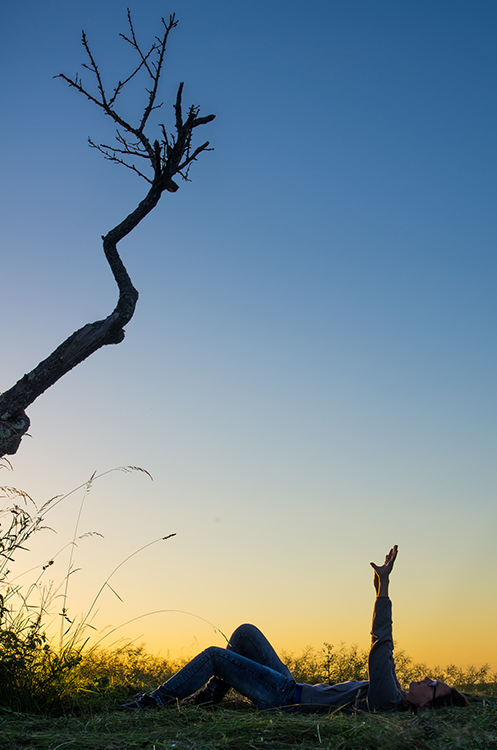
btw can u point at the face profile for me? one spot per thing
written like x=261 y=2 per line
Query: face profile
x=422 y=693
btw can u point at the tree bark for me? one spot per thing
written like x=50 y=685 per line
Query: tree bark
x=14 y=422
x=169 y=156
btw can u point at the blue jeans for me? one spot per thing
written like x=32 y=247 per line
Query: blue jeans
x=249 y=664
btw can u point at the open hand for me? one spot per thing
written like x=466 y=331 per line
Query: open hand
x=382 y=572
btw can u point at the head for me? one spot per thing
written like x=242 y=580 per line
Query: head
x=429 y=693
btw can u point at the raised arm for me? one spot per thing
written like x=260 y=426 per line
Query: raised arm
x=382 y=572
x=384 y=693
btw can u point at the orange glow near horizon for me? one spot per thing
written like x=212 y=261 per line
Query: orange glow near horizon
x=177 y=601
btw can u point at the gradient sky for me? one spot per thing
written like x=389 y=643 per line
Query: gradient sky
x=310 y=372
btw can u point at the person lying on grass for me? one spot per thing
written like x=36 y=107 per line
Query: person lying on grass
x=250 y=665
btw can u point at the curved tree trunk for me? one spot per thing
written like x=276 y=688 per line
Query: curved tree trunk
x=169 y=156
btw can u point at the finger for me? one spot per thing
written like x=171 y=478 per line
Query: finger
x=393 y=553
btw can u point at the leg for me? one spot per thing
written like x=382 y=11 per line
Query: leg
x=248 y=641
x=265 y=687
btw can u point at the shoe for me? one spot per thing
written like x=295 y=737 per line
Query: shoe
x=213 y=694
x=198 y=699
x=138 y=702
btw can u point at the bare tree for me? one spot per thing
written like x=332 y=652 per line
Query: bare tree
x=157 y=162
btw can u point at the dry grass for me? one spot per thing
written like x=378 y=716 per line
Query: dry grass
x=209 y=729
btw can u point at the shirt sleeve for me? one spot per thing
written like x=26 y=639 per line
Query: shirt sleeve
x=384 y=690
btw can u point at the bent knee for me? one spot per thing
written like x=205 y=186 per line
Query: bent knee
x=245 y=630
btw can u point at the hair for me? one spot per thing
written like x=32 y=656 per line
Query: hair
x=453 y=698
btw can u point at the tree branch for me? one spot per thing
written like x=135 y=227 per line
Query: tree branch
x=167 y=156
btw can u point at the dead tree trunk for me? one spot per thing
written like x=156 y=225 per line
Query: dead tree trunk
x=168 y=156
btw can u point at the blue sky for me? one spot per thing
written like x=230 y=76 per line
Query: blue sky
x=310 y=372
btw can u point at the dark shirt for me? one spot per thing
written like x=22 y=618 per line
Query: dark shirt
x=381 y=692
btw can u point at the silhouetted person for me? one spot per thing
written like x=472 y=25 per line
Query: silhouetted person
x=250 y=665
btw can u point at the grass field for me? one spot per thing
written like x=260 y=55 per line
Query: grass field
x=242 y=728
x=64 y=694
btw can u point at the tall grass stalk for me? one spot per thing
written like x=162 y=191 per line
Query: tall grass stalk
x=106 y=583
x=35 y=673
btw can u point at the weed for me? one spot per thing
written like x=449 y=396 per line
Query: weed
x=333 y=665
x=35 y=674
